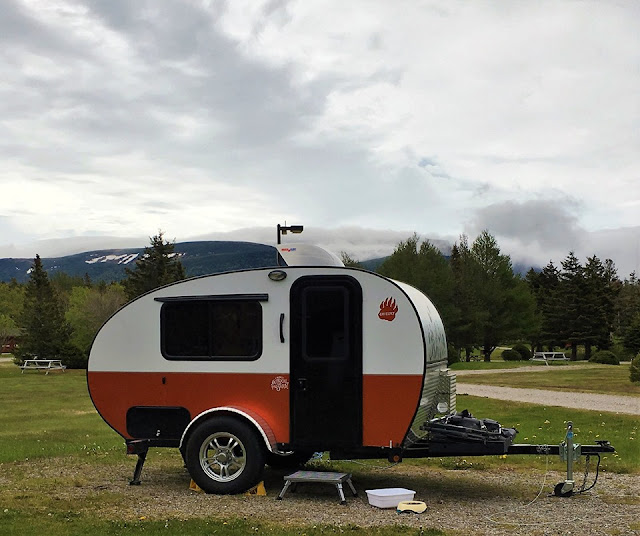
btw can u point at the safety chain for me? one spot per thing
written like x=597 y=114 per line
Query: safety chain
x=586 y=472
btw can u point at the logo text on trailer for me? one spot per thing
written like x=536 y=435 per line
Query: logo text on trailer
x=388 y=310
x=279 y=382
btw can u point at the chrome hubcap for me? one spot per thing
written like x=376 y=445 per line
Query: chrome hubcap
x=222 y=456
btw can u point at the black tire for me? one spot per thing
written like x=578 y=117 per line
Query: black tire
x=294 y=460
x=225 y=456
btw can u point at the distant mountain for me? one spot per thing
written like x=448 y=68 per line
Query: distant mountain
x=523 y=268
x=373 y=264
x=198 y=258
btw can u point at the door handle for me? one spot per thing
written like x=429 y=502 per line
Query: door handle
x=302 y=384
x=281 y=327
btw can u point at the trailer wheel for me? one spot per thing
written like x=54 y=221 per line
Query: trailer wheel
x=225 y=456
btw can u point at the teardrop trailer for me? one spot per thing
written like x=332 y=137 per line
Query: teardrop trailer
x=268 y=365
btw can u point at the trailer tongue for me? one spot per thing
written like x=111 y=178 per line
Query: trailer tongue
x=464 y=435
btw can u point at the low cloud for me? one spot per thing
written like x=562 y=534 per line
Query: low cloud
x=536 y=232
x=540 y=223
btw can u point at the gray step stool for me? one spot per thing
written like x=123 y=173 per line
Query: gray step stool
x=337 y=479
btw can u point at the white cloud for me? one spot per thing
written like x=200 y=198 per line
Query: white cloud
x=120 y=118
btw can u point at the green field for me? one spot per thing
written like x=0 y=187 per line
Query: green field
x=54 y=447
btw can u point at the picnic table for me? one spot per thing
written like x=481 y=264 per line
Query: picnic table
x=42 y=364
x=549 y=356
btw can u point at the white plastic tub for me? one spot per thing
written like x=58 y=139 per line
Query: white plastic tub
x=389 y=497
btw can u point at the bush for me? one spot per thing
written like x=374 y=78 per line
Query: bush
x=624 y=354
x=523 y=350
x=605 y=357
x=634 y=369
x=72 y=357
x=452 y=354
x=511 y=355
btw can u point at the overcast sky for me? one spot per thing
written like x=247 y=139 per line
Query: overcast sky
x=119 y=118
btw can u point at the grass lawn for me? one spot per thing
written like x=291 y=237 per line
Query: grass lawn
x=547 y=425
x=607 y=379
x=496 y=364
x=50 y=415
x=51 y=439
x=63 y=524
x=493 y=365
x=544 y=425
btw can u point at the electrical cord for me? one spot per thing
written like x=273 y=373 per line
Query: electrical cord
x=513 y=510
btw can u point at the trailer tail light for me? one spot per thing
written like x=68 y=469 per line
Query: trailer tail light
x=137 y=446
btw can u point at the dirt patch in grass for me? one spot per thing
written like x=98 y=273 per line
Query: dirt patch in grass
x=471 y=502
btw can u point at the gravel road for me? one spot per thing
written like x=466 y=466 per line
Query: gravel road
x=590 y=401
x=566 y=399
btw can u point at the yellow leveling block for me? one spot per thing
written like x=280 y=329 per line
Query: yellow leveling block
x=255 y=490
x=411 y=506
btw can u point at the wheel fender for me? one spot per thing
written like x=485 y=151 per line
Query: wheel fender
x=251 y=416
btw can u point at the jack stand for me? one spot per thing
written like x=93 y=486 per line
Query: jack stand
x=569 y=452
x=142 y=456
x=139 y=447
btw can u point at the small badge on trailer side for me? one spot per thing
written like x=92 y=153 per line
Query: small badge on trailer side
x=279 y=382
x=388 y=310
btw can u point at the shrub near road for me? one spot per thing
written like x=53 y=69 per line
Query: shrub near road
x=634 y=370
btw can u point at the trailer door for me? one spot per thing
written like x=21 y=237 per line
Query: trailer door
x=326 y=363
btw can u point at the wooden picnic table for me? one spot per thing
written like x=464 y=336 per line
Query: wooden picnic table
x=42 y=364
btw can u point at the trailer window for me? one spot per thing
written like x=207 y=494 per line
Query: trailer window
x=201 y=329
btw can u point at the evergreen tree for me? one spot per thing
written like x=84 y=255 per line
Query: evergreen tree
x=349 y=261
x=600 y=290
x=544 y=286
x=424 y=267
x=613 y=286
x=465 y=329
x=573 y=318
x=158 y=266
x=45 y=333
x=627 y=303
x=505 y=298
x=631 y=339
x=402 y=264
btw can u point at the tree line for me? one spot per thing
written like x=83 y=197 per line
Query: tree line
x=482 y=302
x=57 y=317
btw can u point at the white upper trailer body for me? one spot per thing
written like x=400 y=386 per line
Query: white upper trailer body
x=241 y=367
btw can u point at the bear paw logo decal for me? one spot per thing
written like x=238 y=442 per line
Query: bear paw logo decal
x=388 y=309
